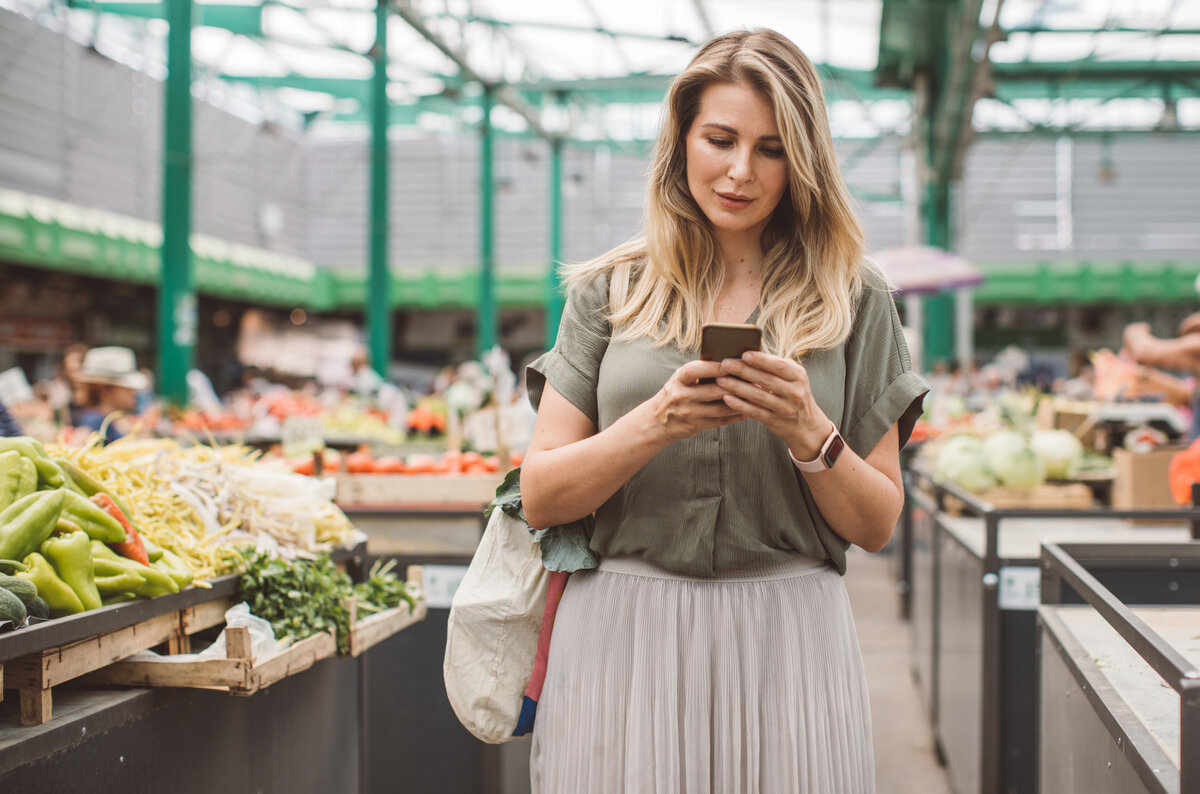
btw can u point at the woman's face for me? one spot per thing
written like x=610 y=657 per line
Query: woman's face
x=737 y=170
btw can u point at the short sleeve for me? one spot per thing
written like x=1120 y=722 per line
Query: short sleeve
x=573 y=364
x=881 y=387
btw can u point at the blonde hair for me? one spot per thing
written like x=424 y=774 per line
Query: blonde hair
x=662 y=282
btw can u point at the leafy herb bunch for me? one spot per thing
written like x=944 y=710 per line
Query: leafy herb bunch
x=307 y=596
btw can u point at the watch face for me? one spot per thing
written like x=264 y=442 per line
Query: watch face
x=836 y=445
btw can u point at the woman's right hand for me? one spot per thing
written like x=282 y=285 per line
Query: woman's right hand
x=685 y=407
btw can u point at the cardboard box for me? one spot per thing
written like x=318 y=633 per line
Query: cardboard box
x=1141 y=478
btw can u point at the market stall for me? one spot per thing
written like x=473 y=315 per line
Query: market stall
x=1120 y=682
x=975 y=591
x=173 y=569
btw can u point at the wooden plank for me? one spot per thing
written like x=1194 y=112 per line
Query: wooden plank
x=203 y=616
x=295 y=659
x=378 y=627
x=177 y=671
x=424 y=489
x=36 y=706
x=237 y=643
x=57 y=665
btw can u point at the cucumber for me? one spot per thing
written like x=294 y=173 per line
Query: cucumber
x=21 y=588
x=39 y=609
x=11 y=608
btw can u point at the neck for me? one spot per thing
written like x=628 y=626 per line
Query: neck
x=741 y=257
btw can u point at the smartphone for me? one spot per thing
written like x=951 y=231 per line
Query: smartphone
x=719 y=341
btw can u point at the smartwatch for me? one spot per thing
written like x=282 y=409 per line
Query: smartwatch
x=831 y=450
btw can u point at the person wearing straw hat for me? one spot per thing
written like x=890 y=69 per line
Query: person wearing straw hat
x=713 y=650
x=113 y=381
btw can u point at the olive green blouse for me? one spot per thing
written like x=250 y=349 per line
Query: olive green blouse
x=729 y=497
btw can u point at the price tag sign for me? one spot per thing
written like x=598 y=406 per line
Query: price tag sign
x=1020 y=587
x=441 y=583
x=301 y=435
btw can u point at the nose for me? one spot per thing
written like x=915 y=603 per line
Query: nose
x=741 y=165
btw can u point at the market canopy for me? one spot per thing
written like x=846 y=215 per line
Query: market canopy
x=596 y=71
x=919 y=269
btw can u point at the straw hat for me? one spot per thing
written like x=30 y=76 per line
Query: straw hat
x=112 y=365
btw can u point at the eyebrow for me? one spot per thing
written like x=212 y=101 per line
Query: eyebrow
x=733 y=131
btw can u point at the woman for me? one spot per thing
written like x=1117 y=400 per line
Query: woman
x=713 y=650
x=113 y=381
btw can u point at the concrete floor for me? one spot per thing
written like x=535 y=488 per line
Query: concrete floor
x=905 y=761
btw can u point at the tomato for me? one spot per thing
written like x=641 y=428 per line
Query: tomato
x=360 y=462
x=389 y=464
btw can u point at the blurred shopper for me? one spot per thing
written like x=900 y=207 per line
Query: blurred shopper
x=113 y=382
x=66 y=393
x=1181 y=354
x=364 y=380
x=8 y=425
x=713 y=650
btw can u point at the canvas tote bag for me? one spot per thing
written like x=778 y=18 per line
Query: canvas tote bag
x=498 y=634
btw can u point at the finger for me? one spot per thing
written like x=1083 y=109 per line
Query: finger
x=746 y=408
x=781 y=373
x=778 y=405
x=693 y=371
x=784 y=368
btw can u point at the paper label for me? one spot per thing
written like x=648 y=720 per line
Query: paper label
x=1020 y=587
x=441 y=583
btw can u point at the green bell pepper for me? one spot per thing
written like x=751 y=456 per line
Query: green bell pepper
x=91 y=518
x=10 y=477
x=29 y=478
x=49 y=473
x=71 y=556
x=173 y=565
x=124 y=582
x=153 y=551
x=109 y=563
x=53 y=590
x=27 y=522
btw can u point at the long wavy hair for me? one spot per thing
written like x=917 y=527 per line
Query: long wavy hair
x=663 y=282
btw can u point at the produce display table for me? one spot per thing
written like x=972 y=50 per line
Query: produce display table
x=306 y=733
x=36 y=659
x=975 y=593
x=1120 y=684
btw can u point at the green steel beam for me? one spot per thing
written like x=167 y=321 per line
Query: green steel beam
x=235 y=17
x=485 y=325
x=501 y=92
x=347 y=87
x=176 y=296
x=526 y=23
x=379 y=318
x=1087 y=70
x=1105 y=29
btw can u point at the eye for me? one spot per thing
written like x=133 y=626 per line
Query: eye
x=774 y=152
x=720 y=143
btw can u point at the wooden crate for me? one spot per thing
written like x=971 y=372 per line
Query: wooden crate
x=1067 y=496
x=34 y=676
x=407 y=490
x=378 y=627
x=238 y=673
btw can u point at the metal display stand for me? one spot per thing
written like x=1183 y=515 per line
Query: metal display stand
x=1106 y=717
x=974 y=601
x=441 y=755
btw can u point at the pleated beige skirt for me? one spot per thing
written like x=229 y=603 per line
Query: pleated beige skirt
x=748 y=682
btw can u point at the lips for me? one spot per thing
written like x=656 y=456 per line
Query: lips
x=734 y=201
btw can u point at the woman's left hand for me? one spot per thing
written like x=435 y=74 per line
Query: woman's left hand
x=776 y=392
